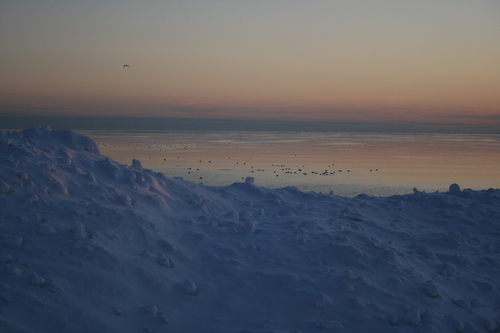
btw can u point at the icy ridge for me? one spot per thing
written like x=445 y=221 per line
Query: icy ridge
x=90 y=245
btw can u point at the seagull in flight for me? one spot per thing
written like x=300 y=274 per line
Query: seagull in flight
x=126 y=66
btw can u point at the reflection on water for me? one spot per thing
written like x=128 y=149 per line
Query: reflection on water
x=347 y=163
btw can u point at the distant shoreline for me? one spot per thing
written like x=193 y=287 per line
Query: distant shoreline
x=8 y=122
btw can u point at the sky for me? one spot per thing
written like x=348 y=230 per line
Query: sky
x=352 y=61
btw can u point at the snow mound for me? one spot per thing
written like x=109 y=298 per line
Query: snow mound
x=65 y=138
x=90 y=245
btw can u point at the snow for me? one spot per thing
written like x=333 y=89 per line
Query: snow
x=90 y=245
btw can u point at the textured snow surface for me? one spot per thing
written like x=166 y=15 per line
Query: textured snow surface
x=91 y=245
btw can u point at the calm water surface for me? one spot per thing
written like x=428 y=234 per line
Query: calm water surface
x=346 y=163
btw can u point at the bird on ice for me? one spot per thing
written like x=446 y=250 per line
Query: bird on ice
x=126 y=66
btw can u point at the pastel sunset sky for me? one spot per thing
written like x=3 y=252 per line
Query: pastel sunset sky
x=402 y=60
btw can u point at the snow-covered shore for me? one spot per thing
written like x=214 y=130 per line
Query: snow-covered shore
x=90 y=245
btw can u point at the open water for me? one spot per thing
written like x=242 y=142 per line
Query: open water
x=346 y=163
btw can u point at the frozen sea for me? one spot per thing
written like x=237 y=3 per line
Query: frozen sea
x=346 y=163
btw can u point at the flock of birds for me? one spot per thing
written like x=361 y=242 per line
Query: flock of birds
x=282 y=169
x=197 y=172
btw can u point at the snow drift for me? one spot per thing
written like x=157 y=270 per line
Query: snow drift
x=91 y=245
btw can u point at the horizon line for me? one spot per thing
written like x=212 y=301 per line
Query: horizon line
x=108 y=122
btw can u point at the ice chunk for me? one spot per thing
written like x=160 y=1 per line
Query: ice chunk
x=462 y=303
x=4 y=188
x=322 y=301
x=430 y=290
x=136 y=164
x=413 y=316
x=189 y=287
x=490 y=325
x=250 y=181
x=79 y=229
x=37 y=281
x=249 y=227
x=163 y=261
x=454 y=188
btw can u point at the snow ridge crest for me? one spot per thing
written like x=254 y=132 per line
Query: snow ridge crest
x=66 y=138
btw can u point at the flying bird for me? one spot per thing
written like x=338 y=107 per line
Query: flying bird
x=126 y=66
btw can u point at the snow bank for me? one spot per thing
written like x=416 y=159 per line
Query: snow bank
x=91 y=245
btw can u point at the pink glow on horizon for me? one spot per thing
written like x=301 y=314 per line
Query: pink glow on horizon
x=352 y=61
